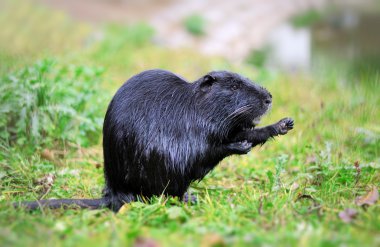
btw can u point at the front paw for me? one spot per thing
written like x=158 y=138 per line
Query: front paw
x=284 y=125
x=242 y=147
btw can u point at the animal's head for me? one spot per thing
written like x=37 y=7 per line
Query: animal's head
x=233 y=100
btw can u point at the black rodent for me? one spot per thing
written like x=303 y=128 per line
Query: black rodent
x=161 y=133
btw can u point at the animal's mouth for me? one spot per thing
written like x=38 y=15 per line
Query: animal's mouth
x=257 y=120
x=249 y=124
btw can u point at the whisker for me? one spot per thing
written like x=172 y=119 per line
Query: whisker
x=239 y=111
x=233 y=118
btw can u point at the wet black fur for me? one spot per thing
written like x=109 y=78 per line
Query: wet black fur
x=161 y=133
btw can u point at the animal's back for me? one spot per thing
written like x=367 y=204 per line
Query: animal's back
x=148 y=104
x=146 y=88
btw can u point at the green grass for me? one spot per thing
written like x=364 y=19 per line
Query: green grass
x=286 y=193
x=30 y=32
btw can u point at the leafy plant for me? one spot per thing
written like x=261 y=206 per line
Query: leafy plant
x=44 y=103
x=306 y=19
x=195 y=24
x=258 y=57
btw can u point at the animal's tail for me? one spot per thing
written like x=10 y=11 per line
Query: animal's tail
x=64 y=203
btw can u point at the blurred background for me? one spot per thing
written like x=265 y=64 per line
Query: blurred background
x=61 y=62
x=290 y=35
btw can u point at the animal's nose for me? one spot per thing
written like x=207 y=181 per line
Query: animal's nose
x=268 y=101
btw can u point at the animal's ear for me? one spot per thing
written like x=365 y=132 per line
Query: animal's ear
x=207 y=82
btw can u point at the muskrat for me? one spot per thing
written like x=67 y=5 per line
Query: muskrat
x=161 y=133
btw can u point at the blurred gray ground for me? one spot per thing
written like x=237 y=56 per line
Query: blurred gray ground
x=233 y=28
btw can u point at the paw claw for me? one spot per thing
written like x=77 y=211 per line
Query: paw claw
x=284 y=125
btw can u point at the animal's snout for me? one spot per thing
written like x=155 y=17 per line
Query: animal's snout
x=268 y=98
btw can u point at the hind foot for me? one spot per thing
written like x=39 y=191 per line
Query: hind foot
x=189 y=198
x=115 y=200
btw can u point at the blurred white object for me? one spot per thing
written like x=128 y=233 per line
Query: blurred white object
x=290 y=48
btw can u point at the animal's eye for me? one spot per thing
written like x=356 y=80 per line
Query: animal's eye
x=234 y=87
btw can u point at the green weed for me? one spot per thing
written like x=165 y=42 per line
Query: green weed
x=47 y=104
